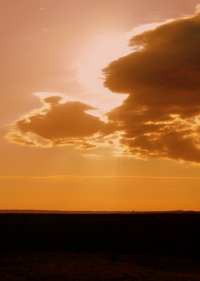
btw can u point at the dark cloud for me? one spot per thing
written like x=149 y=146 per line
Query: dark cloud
x=161 y=116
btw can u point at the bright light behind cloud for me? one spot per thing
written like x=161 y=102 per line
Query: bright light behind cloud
x=95 y=56
x=98 y=53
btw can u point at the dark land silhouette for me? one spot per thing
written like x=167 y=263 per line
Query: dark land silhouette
x=99 y=246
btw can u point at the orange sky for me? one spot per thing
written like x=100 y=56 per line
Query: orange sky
x=73 y=159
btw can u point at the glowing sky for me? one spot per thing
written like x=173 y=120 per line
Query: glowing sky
x=92 y=119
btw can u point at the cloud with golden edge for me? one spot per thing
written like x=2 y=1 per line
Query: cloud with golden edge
x=161 y=116
x=58 y=123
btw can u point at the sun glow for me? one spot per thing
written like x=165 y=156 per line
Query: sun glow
x=99 y=52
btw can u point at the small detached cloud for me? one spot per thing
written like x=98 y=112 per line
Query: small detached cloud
x=161 y=116
x=58 y=123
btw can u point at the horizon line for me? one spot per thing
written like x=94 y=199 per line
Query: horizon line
x=95 y=211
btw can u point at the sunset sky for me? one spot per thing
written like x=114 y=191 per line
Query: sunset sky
x=100 y=105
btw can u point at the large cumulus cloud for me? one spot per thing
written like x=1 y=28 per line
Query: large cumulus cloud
x=161 y=116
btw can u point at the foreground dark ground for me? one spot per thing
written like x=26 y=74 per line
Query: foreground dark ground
x=55 y=247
